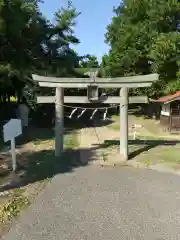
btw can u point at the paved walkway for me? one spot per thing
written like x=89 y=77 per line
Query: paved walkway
x=104 y=203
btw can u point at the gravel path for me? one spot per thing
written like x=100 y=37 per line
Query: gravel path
x=104 y=203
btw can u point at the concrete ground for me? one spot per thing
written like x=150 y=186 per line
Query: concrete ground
x=104 y=203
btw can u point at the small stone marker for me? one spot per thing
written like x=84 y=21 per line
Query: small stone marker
x=11 y=130
x=135 y=127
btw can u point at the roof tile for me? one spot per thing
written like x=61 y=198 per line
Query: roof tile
x=168 y=98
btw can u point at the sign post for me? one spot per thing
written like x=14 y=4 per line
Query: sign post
x=11 y=130
x=13 y=153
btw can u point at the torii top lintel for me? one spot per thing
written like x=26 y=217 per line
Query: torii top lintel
x=119 y=82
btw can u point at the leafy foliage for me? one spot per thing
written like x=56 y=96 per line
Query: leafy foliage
x=144 y=37
x=31 y=43
x=89 y=61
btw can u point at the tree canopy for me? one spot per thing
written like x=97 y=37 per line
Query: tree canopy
x=144 y=37
x=89 y=61
x=31 y=43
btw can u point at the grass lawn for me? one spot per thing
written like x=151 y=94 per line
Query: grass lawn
x=153 y=144
x=36 y=167
x=116 y=121
x=115 y=124
x=156 y=150
x=148 y=150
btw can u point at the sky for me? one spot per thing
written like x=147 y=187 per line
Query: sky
x=91 y=24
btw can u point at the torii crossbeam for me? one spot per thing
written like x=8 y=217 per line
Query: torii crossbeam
x=92 y=84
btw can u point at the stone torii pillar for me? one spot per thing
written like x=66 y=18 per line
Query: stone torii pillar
x=59 y=123
x=124 y=123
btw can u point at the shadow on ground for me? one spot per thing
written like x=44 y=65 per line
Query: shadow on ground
x=42 y=165
x=144 y=145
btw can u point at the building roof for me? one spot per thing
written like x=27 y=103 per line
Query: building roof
x=168 y=98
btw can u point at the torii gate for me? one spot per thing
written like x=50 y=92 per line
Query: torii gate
x=92 y=84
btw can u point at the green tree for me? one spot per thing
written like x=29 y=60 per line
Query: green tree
x=89 y=61
x=143 y=38
x=15 y=52
x=30 y=43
